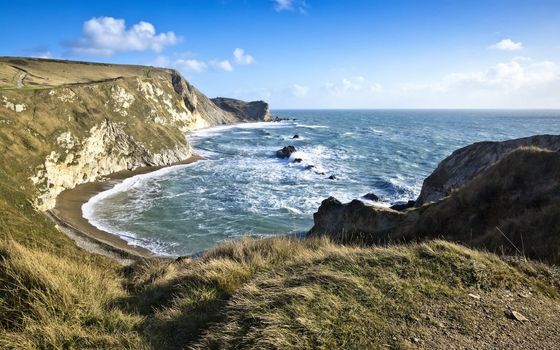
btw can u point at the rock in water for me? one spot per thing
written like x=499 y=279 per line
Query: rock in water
x=296 y=136
x=332 y=177
x=372 y=197
x=298 y=160
x=285 y=152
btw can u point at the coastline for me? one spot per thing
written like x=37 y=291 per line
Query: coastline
x=67 y=213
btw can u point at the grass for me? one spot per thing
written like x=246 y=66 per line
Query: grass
x=274 y=293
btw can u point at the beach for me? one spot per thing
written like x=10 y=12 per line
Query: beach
x=68 y=215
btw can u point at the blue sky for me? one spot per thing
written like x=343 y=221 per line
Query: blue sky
x=315 y=54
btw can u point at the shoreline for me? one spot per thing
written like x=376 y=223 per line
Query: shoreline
x=68 y=216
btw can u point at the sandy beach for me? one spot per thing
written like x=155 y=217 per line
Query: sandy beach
x=68 y=215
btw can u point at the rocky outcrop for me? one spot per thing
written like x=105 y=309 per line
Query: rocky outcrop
x=466 y=163
x=355 y=221
x=511 y=207
x=248 y=111
x=79 y=121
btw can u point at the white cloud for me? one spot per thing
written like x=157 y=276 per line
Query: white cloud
x=283 y=5
x=291 y=5
x=507 y=45
x=242 y=58
x=191 y=65
x=299 y=90
x=352 y=85
x=107 y=35
x=223 y=65
x=512 y=75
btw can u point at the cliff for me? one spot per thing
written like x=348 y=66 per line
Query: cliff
x=65 y=123
x=467 y=162
x=256 y=110
x=511 y=206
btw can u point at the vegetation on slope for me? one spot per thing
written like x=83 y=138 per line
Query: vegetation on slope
x=279 y=293
x=511 y=207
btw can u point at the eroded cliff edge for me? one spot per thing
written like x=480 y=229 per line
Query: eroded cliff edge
x=504 y=198
x=64 y=123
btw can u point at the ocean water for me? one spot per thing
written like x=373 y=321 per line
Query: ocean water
x=241 y=188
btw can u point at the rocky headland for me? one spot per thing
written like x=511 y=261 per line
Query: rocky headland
x=499 y=196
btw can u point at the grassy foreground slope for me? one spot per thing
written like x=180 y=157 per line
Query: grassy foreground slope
x=281 y=294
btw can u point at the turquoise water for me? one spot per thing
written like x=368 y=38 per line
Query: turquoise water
x=243 y=189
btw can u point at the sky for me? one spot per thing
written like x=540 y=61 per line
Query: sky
x=314 y=53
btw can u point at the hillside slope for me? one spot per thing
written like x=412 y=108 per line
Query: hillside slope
x=65 y=123
x=511 y=206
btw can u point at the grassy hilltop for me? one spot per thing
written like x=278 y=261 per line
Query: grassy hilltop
x=276 y=293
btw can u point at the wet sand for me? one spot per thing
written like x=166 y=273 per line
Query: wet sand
x=67 y=213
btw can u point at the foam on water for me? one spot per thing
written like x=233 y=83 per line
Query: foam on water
x=241 y=188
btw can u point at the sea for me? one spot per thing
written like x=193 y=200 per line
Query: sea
x=242 y=188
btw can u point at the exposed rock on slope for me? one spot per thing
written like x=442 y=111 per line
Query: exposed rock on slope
x=256 y=110
x=467 y=162
x=75 y=122
x=512 y=206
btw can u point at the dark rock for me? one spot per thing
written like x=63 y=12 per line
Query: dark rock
x=296 y=136
x=403 y=206
x=347 y=221
x=298 y=160
x=181 y=259
x=285 y=152
x=332 y=177
x=372 y=197
x=310 y=166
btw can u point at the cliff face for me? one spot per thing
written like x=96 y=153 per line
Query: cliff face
x=511 y=207
x=466 y=163
x=65 y=123
x=256 y=110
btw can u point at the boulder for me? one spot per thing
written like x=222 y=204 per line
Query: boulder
x=403 y=206
x=371 y=196
x=296 y=136
x=285 y=152
x=298 y=160
x=332 y=177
